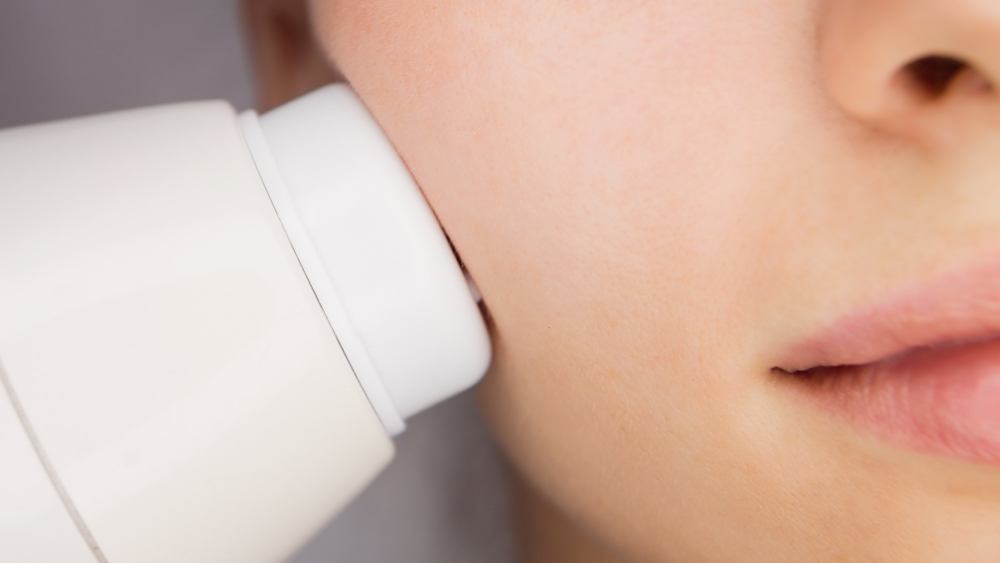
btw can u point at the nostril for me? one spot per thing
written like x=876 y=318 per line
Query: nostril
x=931 y=76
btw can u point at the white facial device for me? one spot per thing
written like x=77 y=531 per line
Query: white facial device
x=211 y=325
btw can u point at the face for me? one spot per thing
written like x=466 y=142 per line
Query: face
x=676 y=212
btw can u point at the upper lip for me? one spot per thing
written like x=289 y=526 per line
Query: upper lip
x=956 y=307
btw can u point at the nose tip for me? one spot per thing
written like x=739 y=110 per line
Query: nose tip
x=914 y=65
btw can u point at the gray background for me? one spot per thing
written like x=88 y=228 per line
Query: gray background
x=445 y=498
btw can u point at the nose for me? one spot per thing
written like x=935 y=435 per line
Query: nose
x=927 y=69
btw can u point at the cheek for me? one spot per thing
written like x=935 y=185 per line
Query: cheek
x=602 y=180
x=605 y=157
x=593 y=177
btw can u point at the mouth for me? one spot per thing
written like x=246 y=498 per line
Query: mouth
x=921 y=369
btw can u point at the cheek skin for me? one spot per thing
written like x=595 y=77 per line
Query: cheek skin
x=627 y=195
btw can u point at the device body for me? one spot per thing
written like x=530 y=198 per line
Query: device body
x=195 y=366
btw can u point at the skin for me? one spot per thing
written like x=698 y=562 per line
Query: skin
x=657 y=199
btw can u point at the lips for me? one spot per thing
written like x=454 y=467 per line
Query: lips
x=921 y=369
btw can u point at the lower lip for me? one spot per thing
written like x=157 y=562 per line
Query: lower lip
x=941 y=400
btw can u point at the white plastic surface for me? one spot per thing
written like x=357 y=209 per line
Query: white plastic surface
x=322 y=285
x=34 y=523
x=166 y=346
x=373 y=250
